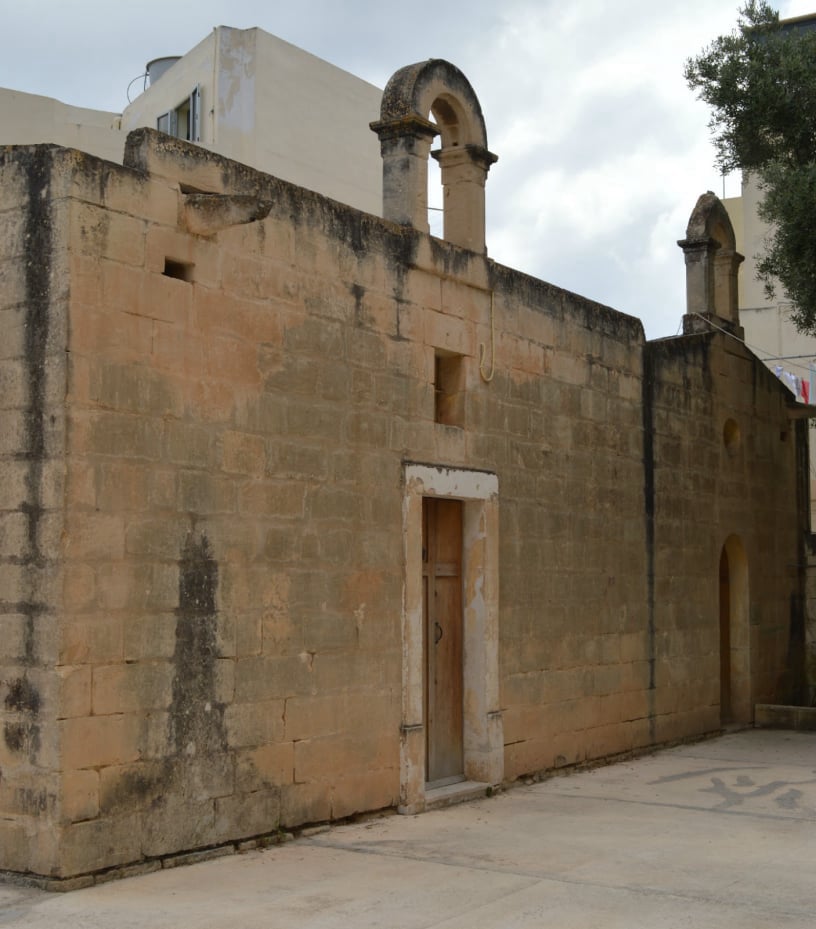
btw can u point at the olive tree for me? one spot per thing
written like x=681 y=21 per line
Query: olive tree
x=760 y=82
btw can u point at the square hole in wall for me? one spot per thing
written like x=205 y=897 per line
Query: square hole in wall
x=449 y=388
x=180 y=270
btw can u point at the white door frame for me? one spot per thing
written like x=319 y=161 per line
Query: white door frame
x=483 y=734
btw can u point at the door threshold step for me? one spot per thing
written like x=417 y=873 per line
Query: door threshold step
x=438 y=797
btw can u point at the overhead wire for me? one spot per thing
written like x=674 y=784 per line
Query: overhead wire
x=756 y=349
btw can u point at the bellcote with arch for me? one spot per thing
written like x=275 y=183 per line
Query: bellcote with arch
x=712 y=266
x=414 y=93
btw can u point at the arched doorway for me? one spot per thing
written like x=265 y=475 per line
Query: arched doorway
x=735 y=655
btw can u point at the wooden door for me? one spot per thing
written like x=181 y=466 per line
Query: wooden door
x=442 y=588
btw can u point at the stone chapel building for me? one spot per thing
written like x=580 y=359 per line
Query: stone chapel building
x=304 y=512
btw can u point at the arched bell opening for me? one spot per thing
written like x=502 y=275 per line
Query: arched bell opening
x=434 y=88
x=712 y=267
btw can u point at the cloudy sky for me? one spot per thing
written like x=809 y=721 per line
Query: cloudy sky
x=603 y=150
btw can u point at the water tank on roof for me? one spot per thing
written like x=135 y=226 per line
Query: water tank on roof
x=159 y=67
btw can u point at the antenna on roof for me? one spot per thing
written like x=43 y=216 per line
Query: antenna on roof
x=137 y=78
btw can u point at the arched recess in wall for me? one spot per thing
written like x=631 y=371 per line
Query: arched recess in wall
x=735 y=651
x=439 y=89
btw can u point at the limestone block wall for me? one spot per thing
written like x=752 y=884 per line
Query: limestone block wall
x=247 y=371
x=233 y=550
x=722 y=470
x=566 y=440
x=33 y=312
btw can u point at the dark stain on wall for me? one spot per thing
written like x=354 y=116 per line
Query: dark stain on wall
x=400 y=249
x=39 y=247
x=23 y=696
x=350 y=227
x=796 y=660
x=38 y=237
x=22 y=737
x=358 y=292
x=452 y=258
x=21 y=731
x=33 y=802
x=794 y=689
x=196 y=718
x=142 y=787
x=647 y=413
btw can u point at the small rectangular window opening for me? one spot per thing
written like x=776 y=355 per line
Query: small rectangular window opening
x=183 y=121
x=180 y=270
x=449 y=388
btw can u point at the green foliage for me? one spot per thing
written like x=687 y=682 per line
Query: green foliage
x=760 y=82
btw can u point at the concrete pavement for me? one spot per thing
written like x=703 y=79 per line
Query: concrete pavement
x=714 y=835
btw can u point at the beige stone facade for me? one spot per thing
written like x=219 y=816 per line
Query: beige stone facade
x=238 y=423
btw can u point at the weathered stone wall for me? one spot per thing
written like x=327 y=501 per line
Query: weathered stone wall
x=241 y=405
x=809 y=698
x=723 y=465
x=568 y=443
x=235 y=554
x=33 y=302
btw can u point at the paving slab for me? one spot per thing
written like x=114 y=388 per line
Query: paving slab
x=719 y=834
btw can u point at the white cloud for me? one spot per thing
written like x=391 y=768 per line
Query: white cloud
x=603 y=149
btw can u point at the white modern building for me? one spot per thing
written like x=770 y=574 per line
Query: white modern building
x=242 y=93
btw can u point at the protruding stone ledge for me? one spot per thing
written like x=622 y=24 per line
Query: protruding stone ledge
x=206 y=214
